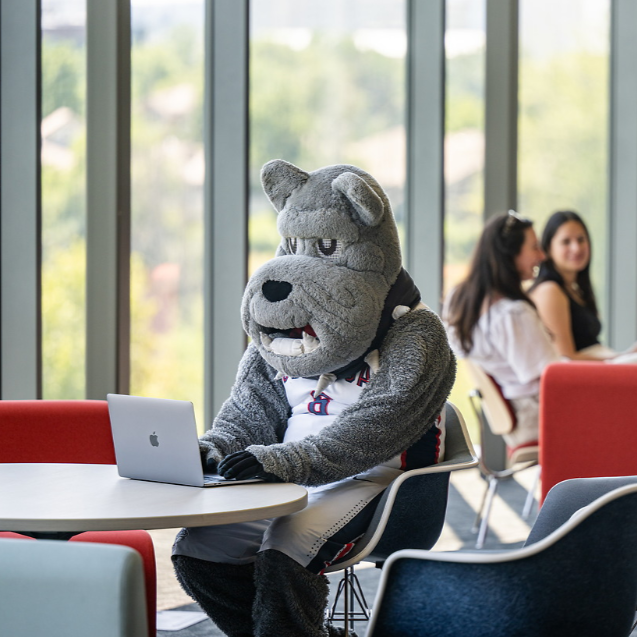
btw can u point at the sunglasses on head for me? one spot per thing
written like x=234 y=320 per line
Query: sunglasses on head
x=513 y=218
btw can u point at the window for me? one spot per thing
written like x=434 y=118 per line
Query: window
x=63 y=132
x=327 y=86
x=167 y=175
x=464 y=135
x=464 y=156
x=563 y=116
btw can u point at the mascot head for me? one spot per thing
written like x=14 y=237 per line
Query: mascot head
x=320 y=305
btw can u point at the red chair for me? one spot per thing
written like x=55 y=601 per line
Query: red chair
x=72 y=431
x=588 y=421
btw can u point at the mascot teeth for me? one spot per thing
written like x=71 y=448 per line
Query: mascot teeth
x=310 y=343
x=287 y=346
x=290 y=346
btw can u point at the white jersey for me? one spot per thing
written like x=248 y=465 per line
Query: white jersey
x=310 y=413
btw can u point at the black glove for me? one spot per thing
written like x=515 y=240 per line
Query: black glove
x=242 y=465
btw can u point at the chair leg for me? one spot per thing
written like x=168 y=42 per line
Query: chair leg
x=476 y=522
x=355 y=606
x=484 y=525
x=530 y=496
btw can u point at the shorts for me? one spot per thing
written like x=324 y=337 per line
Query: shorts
x=337 y=514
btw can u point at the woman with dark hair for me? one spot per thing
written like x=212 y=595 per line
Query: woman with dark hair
x=563 y=293
x=491 y=320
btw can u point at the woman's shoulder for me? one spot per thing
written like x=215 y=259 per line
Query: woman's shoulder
x=548 y=290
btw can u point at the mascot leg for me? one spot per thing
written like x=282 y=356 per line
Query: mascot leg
x=225 y=592
x=290 y=601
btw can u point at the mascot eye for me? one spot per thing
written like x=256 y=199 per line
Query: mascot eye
x=330 y=247
x=292 y=244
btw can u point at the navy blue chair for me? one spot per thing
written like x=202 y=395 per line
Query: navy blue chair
x=410 y=514
x=575 y=576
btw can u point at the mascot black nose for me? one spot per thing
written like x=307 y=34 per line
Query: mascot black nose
x=276 y=290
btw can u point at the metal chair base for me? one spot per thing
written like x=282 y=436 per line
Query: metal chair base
x=355 y=606
x=523 y=459
x=481 y=523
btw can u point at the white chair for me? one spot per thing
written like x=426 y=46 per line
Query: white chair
x=495 y=415
x=411 y=514
x=51 y=588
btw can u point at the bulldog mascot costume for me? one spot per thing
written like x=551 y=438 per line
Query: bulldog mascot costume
x=340 y=390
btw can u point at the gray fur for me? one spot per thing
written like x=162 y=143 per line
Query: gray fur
x=257 y=599
x=341 y=295
x=290 y=601
x=366 y=202
x=279 y=178
x=416 y=374
x=225 y=592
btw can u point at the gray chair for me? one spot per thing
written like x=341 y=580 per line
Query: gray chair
x=410 y=514
x=576 y=576
x=496 y=417
x=51 y=588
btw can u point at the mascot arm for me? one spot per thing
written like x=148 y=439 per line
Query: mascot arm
x=256 y=412
x=404 y=397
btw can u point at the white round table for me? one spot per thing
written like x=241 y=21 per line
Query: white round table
x=88 y=497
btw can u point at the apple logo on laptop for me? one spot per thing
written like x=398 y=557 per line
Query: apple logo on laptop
x=154 y=439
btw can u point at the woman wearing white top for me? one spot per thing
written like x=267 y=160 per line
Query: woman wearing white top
x=491 y=320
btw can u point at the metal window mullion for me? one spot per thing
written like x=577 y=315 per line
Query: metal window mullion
x=501 y=134
x=621 y=306
x=501 y=107
x=226 y=194
x=108 y=198
x=425 y=147
x=20 y=200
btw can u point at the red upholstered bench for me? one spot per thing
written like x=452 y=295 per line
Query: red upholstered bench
x=72 y=431
x=588 y=421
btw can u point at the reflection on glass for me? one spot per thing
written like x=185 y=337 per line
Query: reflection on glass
x=327 y=86
x=464 y=155
x=63 y=198
x=167 y=172
x=563 y=117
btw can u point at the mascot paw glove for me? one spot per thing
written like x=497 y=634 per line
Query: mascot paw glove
x=208 y=462
x=242 y=465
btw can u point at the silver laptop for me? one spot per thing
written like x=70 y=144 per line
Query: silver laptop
x=156 y=439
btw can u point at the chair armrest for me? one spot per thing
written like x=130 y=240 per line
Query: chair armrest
x=366 y=545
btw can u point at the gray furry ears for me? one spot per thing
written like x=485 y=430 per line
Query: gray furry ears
x=279 y=179
x=366 y=202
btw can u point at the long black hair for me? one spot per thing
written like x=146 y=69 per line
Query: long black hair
x=548 y=272
x=492 y=272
